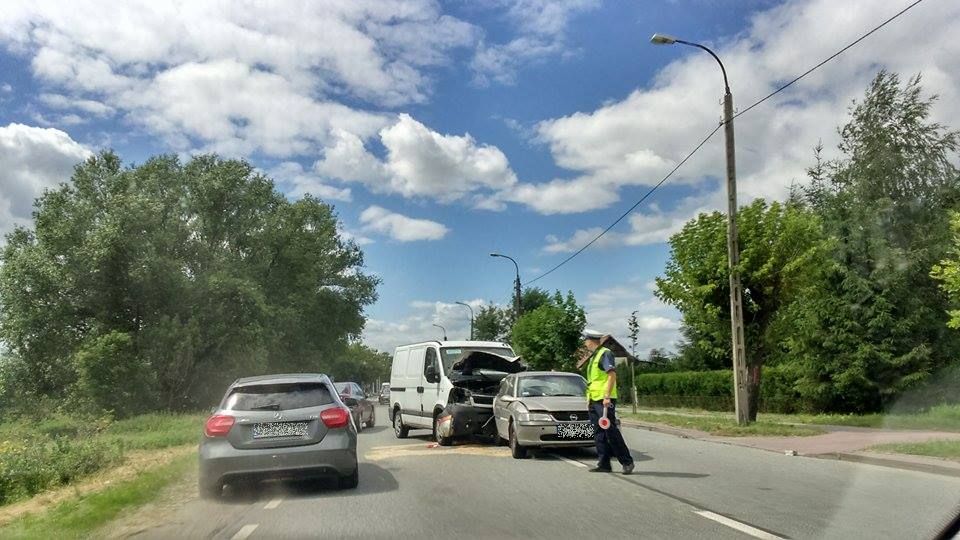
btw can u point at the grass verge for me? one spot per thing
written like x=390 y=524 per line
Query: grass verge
x=939 y=418
x=941 y=449
x=78 y=518
x=725 y=425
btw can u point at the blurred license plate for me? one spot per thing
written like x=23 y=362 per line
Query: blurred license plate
x=279 y=429
x=575 y=430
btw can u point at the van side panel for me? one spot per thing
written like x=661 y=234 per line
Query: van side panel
x=413 y=408
x=399 y=393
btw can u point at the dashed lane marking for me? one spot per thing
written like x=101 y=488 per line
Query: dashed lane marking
x=273 y=504
x=245 y=531
x=734 y=524
x=572 y=462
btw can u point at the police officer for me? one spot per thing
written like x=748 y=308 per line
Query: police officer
x=602 y=393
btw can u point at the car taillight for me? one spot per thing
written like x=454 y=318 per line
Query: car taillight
x=335 y=417
x=218 y=425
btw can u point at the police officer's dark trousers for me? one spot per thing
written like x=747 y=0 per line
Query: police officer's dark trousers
x=609 y=441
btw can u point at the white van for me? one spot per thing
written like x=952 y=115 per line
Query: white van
x=424 y=383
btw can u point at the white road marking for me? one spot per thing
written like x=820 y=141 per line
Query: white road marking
x=245 y=531
x=273 y=504
x=573 y=462
x=734 y=524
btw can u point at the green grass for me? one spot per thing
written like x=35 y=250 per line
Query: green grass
x=39 y=454
x=78 y=518
x=942 y=449
x=156 y=430
x=724 y=425
x=939 y=418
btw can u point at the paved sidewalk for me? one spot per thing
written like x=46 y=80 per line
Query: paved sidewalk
x=840 y=442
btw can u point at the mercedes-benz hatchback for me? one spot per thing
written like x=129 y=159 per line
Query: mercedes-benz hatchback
x=278 y=426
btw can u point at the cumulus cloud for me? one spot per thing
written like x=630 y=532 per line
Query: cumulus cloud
x=238 y=77
x=541 y=26
x=419 y=162
x=636 y=140
x=400 y=227
x=417 y=324
x=609 y=309
x=32 y=159
x=299 y=182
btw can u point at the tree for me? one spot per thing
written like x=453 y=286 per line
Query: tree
x=875 y=323
x=780 y=244
x=533 y=297
x=947 y=272
x=548 y=337
x=490 y=324
x=633 y=329
x=191 y=273
x=360 y=364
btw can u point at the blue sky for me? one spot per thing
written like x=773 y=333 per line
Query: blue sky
x=444 y=131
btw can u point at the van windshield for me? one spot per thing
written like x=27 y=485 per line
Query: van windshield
x=452 y=355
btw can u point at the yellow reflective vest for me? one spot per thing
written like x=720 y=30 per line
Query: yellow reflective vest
x=597 y=378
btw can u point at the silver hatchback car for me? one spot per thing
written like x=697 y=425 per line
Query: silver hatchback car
x=278 y=426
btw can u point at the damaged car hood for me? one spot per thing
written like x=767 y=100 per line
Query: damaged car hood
x=484 y=368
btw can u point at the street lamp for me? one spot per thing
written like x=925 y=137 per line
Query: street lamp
x=740 y=375
x=516 y=284
x=471 y=317
x=444 y=331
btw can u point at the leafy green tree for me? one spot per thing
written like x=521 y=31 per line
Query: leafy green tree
x=780 y=245
x=490 y=324
x=206 y=268
x=533 y=297
x=549 y=336
x=947 y=272
x=875 y=324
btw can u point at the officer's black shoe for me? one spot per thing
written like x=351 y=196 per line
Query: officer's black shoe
x=628 y=469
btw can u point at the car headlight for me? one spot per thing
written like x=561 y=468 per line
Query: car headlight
x=534 y=417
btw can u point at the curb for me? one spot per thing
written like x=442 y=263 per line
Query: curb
x=891 y=463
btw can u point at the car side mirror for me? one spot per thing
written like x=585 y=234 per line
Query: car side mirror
x=431 y=374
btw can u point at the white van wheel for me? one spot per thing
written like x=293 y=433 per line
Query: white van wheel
x=400 y=430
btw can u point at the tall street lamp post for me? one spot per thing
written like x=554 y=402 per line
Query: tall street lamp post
x=444 y=331
x=516 y=284
x=471 y=317
x=740 y=374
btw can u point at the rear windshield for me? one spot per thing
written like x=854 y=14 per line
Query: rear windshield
x=278 y=397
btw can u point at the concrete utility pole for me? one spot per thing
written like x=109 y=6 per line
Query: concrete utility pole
x=471 y=317
x=516 y=285
x=740 y=374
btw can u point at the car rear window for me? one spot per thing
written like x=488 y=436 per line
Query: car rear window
x=278 y=397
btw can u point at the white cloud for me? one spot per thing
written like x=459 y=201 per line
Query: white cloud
x=299 y=182
x=417 y=324
x=6 y=88
x=609 y=309
x=541 y=25
x=635 y=141
x=651 y=227
x=238 y=77
x=420 y=162
x=31 y=160
x=60 y=101
x=400 y=227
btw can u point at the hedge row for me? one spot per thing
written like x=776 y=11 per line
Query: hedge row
x=713 y=390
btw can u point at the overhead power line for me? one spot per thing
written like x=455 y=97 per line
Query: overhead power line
x=711 y=134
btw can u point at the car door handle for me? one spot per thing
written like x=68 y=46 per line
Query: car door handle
x=419 y=389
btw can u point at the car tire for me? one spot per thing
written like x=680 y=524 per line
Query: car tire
x=442 y=441
x=359 y=424
x=373 y=418
x=210 y=491
x=516 y=449
x=400 y=430
x=350 y=481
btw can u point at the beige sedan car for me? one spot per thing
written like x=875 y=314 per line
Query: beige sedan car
x=542 y=409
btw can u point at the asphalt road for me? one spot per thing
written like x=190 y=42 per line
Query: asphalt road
x=682 y=488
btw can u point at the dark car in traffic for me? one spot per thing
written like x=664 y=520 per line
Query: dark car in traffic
x=384 y=397
x=361 y=407
x=290 y=426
